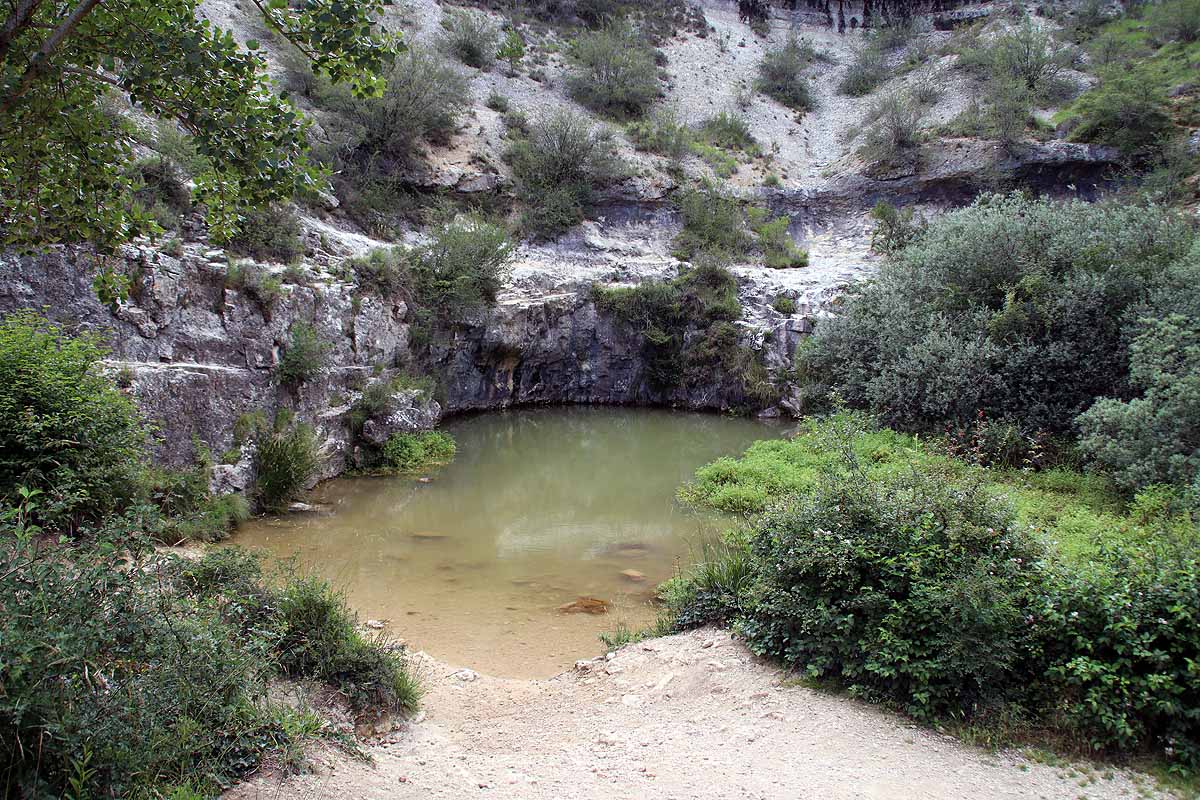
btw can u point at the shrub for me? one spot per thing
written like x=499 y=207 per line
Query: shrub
x=1153 y=438
x=775 y=240
x=665 y=314
x=662 y=134
x=781 y=74
x=304 y=357
x=65 y=430
x=319 y=638
x=1030 y=54
x=383 y=271
x=616 y=73
x=914 y=585
x=470 y=37
x=497 y=102
x=895 y=228
x=784 y=305
x=462 y=267
x=713 y=222
x=1125 y=112
x=272 y=233
x=1175 y=20
x=423 y=101
x=415 y=452
x=558 y=166
x=728 y=131
x=949 y=328
x=286 y=458
x=895 y=129
x=865 y=72
x=190 y=644
x=160 y=188
x=256 y=282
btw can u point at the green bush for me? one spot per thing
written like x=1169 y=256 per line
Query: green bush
x=558 y=166
x=713 y=222
x=462 y=267
x=383 y=271
x=616 y=74
x=129 y=680
x=415 y=452
x=286 y=458
x=1153 y=438
x=1174 y=20
x=684 y=324
x=895 y=228
x=1126 y=113
x=161 y=189
x=894 y=132
x=305 y=356
x=784 y=305
x=319 y=638
x=780 y=251
x=729 y=132
x=662 y=134
x=950 y=327
x=912 y=583
x=272 y=233
x=471 y=37
x=256 y=282
x=866 y=72
x=64 y=428
x=498 y=102
x=781 y=74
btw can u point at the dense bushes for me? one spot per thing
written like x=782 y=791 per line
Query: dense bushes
x=462 y=266
x=133 y=681
x=1175 y=20
x=717 y=225
x=781 y=74
x=894 y=129
x=1125 y=113
x=616 y=73
x=914 y=584
x=413 y=452
x=558 y=166
x=1154 y=438
x=1012 y=306
x=272 y=233
x=64 y=428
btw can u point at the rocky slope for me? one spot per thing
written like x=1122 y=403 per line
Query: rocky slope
x=198 y=355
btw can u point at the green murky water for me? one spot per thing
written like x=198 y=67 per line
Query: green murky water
x=540 y=508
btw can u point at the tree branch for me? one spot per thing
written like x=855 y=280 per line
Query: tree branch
x=17 y=21
x=41 y=59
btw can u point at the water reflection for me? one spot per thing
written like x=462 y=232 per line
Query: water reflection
x=539 y=508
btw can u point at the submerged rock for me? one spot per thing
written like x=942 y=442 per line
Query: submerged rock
x=585 y=605
x=633 y=575
x=429 y=536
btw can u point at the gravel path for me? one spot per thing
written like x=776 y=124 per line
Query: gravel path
x=688 y=716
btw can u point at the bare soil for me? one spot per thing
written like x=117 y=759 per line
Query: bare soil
x=694 y=715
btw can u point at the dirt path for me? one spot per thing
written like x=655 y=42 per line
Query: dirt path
x=687 y=716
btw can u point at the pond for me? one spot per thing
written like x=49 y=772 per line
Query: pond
x=540 y=508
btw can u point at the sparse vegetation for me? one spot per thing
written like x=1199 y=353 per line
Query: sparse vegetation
x=256 y=282
x=893 y=134
x=865 y=73
x=716 y=224
x=304 y=357
x=470 y=37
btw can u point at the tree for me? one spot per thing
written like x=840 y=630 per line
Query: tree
x=63 y=150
